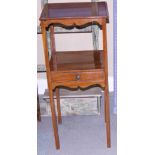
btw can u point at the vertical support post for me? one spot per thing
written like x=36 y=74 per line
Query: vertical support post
x=53 y=48
x=105 y=61
x=54 y=119
x=95 y=28
x=58 y=105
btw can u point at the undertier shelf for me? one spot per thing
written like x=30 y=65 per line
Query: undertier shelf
x=76 y=60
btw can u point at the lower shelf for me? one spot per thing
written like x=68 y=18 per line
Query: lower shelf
x=77 y=60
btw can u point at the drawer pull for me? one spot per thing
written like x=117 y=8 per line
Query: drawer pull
x=77 y=77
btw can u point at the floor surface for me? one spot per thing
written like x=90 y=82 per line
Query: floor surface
x=79 y=135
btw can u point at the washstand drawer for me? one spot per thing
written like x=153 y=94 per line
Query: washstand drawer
x=77 y=76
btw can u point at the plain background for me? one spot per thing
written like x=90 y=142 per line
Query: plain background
x=18 y=80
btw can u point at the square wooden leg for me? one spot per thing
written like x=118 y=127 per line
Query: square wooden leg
x=54 y=121
x=54 y=118
x=107 y=118
x=106 y=93
x=58 y=106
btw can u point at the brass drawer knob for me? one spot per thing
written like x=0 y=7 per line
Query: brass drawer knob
x=77 y=77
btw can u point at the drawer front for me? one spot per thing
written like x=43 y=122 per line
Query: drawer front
x=79 y=76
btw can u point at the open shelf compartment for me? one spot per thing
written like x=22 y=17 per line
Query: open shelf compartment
x=76 y=60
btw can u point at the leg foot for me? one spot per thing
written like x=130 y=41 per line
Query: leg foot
x=107 y=113
x=105 y=119
x=54 y=121
x=108 y=134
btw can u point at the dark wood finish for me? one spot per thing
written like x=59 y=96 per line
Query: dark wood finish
x=81 y=10
x=79 y=68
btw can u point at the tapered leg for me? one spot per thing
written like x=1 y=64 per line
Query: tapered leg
x=54 y=121
x=48 y=73
x=106 y=93
x=107 y=116
x=105 y=119
x=58 y=106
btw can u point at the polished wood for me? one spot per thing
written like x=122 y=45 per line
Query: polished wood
x=53 y=48
x=54 y=119
x=75 y=14
x=78 y=78
x=105 y=60
x=75 y=69
x=54 y=59
x=58 y=105
x=75 y=76
x=75 y=10
x=77 y=60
